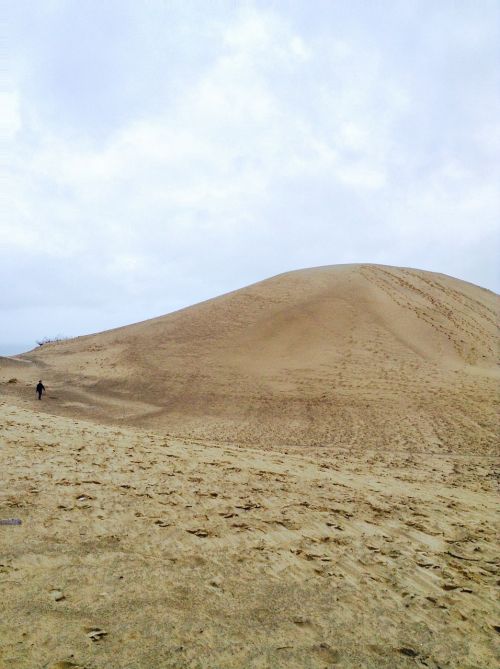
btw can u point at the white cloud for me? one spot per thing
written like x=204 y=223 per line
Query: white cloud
x=10 y=116
x=284 y=147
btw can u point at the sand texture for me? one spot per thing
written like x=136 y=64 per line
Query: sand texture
x=352 y=355
x=300 y=474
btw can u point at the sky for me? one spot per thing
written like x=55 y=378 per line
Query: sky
x=157 y=153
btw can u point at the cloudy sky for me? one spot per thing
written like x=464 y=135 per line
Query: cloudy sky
x=159 y=152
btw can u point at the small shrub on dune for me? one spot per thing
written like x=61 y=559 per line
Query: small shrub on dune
x=51 y=340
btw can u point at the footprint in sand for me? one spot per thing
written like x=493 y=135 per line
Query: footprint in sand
x=95 y=633
x=84 y=498
x=325 y=653
x=200 y=532
x=303 y=623
x=57 y=595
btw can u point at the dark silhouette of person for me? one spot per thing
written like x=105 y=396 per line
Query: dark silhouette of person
x=40 y=388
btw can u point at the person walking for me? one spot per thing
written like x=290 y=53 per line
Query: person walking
x=40 y=388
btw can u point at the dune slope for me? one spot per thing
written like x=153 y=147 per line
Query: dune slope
x=351 y=355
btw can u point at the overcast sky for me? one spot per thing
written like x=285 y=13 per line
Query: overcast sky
x=158 y=153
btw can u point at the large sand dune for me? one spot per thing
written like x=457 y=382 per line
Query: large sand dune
x=296 y=475
x=353 y=355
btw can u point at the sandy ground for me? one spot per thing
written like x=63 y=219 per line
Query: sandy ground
x=140 y=551
x=300 y=474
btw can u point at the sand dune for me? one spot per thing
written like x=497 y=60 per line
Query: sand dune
x=354 y=355
x=299 y=474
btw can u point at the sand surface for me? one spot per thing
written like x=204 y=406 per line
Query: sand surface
x=192 y=555
x=259 y=528
x=350 y=355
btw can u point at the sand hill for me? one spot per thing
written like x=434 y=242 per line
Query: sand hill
x=297 y=475
x=351 y=355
